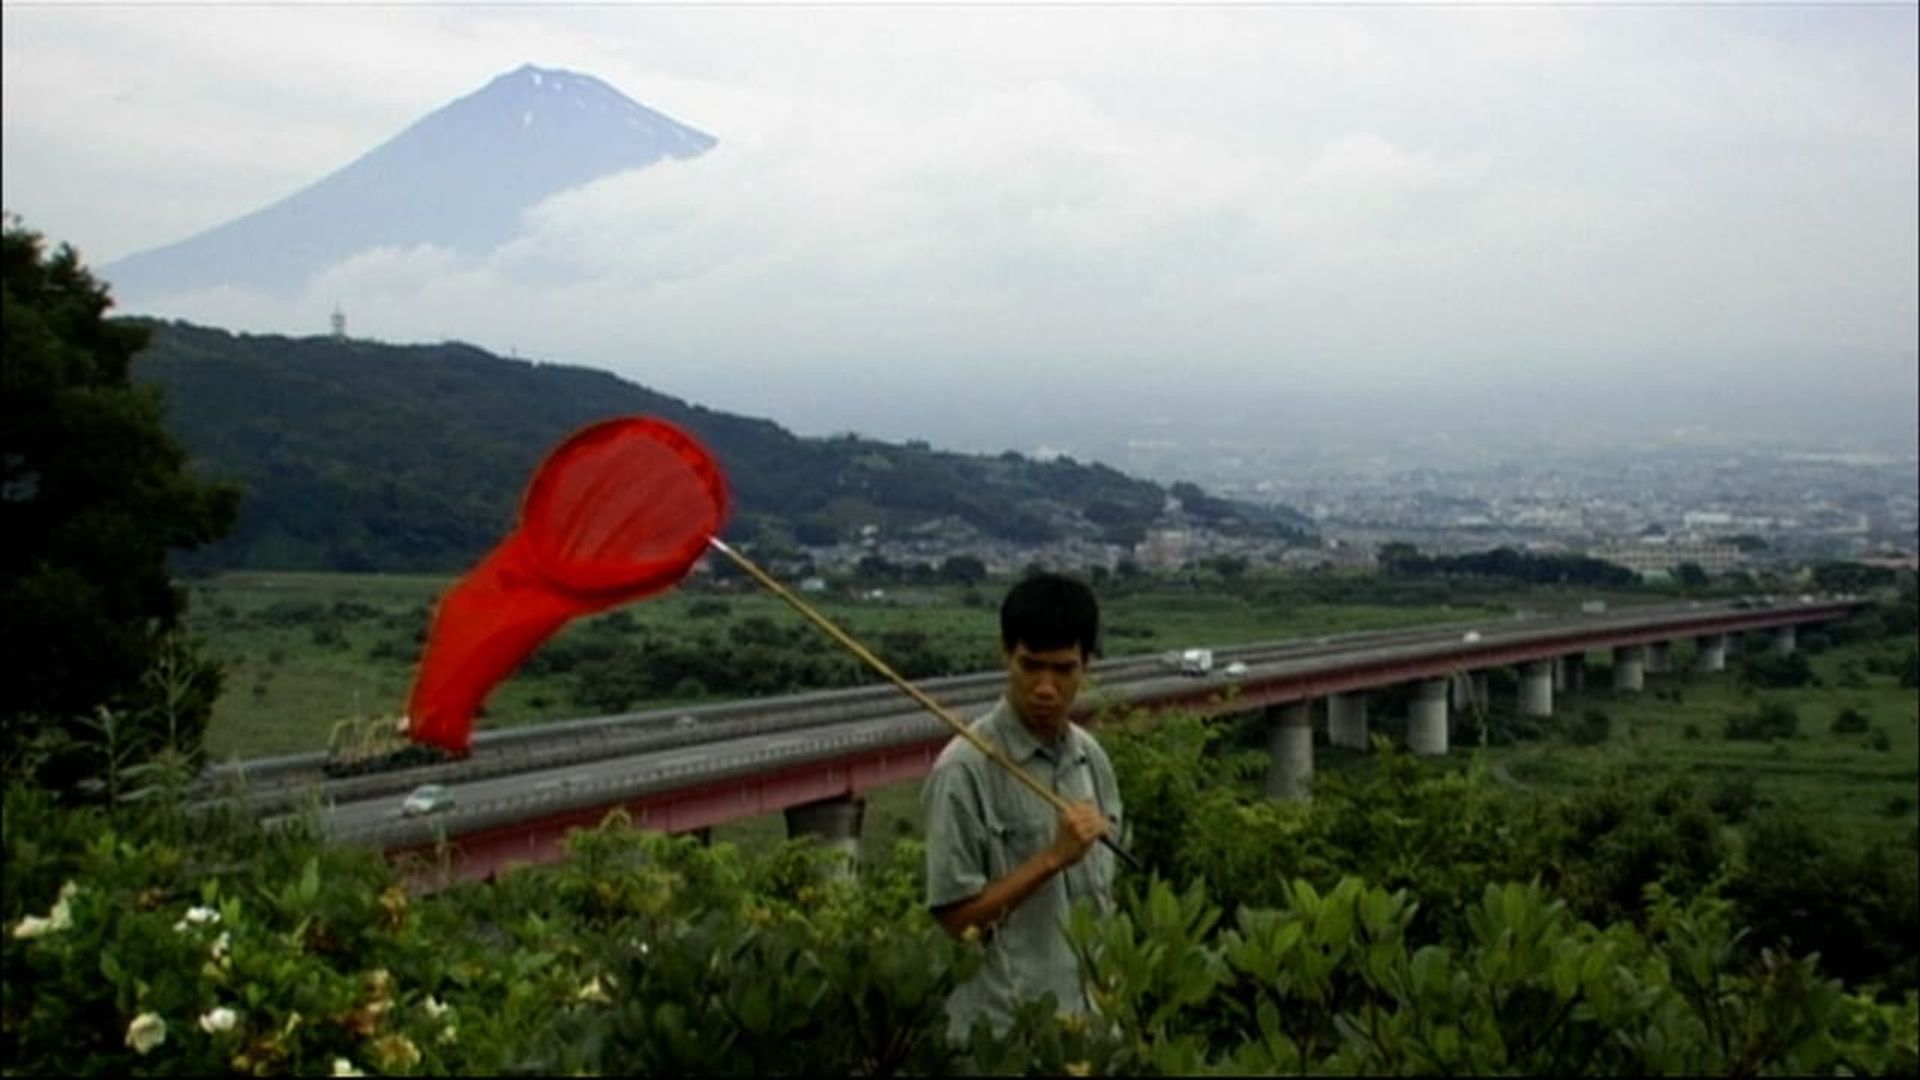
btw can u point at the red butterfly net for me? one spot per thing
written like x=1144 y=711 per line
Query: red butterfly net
x=619 y=511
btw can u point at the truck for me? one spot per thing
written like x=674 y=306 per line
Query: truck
x=1196 y=661
x=1594 y=607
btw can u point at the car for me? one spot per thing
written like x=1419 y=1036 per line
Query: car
x=1470 y=636
x=1235 y=669
x=684 y=721
x=427 y=799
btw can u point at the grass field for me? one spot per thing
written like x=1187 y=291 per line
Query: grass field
x=304 y=651
x=1866 y=779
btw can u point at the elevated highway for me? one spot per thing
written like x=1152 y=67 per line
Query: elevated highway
x=815 y=755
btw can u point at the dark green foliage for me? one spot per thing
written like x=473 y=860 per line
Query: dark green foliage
x=652 y=955
x=1772 y=671
x=963 y=570
x=94 y=492
x=1592 y=729
x=1850 y=577
x=367 y=456
x=1622 y=837
x=1404 y=560
x=1849 y=721
x=1773 y=720
x=1851 y=675
x=1855 y=901
x=1690 y=575
x=1734 y=798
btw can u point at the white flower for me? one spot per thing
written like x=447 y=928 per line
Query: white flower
x=449 y=1035
x=196 y=916
x=593 y=991
x=219 y=947
x=60 y=918
x=31 y=926
x=343 y=1067
x=220 y=1019
x=146 y=1032
x=435 y=1007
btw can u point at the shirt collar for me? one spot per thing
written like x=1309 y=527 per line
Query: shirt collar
x=1020 y=744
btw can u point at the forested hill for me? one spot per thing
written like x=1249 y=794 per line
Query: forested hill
x=357 y=455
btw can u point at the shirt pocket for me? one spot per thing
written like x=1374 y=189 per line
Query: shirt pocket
x=1017 y=838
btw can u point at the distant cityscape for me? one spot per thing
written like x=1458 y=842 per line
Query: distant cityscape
x=1720 y=508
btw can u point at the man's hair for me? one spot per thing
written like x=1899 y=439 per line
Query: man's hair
x=1049 y=611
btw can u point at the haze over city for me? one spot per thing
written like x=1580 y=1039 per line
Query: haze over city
x=1123 y=233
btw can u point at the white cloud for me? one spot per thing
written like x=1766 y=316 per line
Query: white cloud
x=916 y=199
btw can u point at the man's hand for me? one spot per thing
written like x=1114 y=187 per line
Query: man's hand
x=1081 y=826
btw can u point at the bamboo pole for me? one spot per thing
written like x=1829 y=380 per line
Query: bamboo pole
x=960 y=728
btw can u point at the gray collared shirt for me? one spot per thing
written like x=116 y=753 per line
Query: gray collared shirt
x=981 y=824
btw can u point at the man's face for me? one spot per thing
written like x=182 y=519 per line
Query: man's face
x=1041 y=686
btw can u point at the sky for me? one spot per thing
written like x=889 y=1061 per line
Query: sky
x=1057 y=227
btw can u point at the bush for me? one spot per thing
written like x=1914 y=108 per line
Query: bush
x=1734 y=798
x=1849 y=721
x=1880 y=741
x=1851 y=675
x=708 y=608
x=1774 y=720
x=648 y=954
x=1593 y=728
x=1853 y=900
x=1772 y=672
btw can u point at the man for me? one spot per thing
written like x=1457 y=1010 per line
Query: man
x=1000 y=860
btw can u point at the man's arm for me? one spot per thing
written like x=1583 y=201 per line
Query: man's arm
x=1081 y=826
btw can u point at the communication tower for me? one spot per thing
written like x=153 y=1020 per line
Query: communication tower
x=339 y=323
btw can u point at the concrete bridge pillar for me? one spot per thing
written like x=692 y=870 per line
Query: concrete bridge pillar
x=1783 y=640
x=1290 y=739
x=1347 y=720
x=1734 y=643
x=1710 y=653
x=836 y=822
x=1536 y=688
x=1427 y=718
x=1576 y=667
x=1659 y=657
x=1559 y=674
x=1629 y=668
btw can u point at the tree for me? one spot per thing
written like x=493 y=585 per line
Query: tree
x=1690 y=575
x=1395 y=555
x=963 y=570
x=94 y=491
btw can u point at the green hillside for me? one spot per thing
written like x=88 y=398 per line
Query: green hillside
x=362 y=456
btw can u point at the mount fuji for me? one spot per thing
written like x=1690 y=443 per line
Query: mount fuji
x=457 y=179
